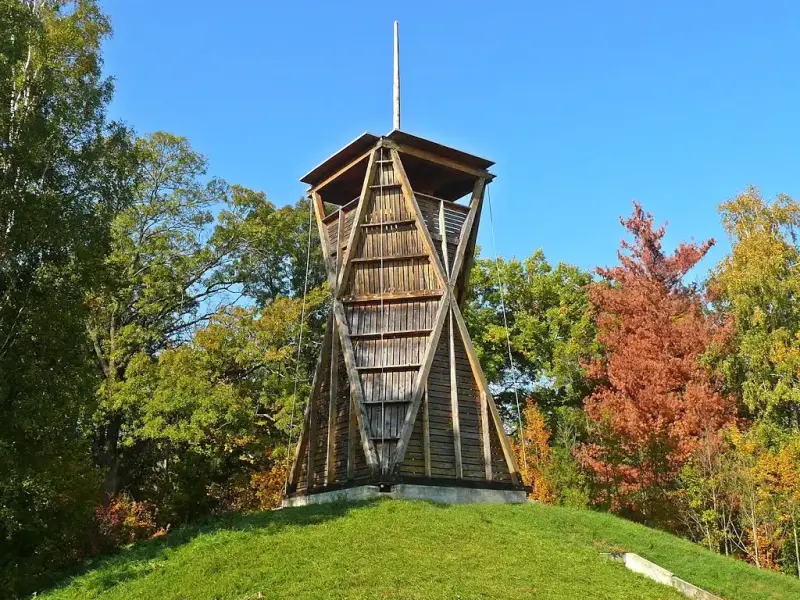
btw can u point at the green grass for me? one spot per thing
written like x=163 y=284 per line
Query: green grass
x=404 y=550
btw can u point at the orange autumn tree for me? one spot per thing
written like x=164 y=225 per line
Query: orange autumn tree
x=654 y=398
x=534 y=454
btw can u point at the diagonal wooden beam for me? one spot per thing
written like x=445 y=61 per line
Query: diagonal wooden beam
x=319 y=213
x=466 y=230
x=462 y=285
x=355 y=232
x=345 y=168
x=315 y=388
x=421 y=382
x=474 y=362
x=299 y=451
x=355 y=386
x=413 y=207
x=439 y=160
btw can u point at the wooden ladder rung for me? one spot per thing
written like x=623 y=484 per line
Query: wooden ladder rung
x=388 y=223
x=373 y=259
x=381 y=186
x=384 y=438
x=375 y=335
x=379 y=368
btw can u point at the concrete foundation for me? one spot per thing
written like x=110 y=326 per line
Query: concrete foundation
x=431 y=493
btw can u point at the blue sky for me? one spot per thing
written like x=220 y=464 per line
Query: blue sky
x=585 y=106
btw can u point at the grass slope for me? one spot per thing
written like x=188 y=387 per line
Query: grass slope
x=400 y=549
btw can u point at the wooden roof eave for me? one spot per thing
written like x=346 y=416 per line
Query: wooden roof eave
x=360 y=148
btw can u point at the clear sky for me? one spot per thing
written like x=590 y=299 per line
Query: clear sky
x=585 y=106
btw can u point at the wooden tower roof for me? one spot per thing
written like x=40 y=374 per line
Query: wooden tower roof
x=436 y=169
x=398 y=395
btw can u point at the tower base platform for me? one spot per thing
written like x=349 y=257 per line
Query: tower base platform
x=405 y=491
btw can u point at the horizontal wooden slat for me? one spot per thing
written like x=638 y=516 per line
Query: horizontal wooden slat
x=389 y=223
x=391 y=334
x=379 y=368
x=394 y=296
x=377 y=259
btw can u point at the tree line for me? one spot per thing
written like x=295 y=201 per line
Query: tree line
x=150 y=324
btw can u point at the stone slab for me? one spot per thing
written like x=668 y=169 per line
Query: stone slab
x=641 y=565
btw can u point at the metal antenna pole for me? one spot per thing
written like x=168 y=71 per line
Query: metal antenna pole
x=396 y=112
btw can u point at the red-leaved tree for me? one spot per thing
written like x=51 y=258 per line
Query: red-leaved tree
x=654 y=398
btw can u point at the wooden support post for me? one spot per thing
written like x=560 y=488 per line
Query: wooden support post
x=352 y=433
x=454 y=401
x=443 y=235
x=426 y=432
x=333 y=384
x=486 y=437
x=312 y=440
x=333 y=395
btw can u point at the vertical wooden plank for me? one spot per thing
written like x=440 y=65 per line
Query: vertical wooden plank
x=485 y=436
x=454 y=401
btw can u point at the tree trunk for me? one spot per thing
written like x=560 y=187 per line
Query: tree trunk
x=755 y=540
x=796 y=546
x=109 y=458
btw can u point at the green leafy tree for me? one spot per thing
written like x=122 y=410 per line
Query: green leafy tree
x=162 y=277
x=548 y=323
x=219 y=408
x=63 y=170
x=184 y=250
x=759 y=284
x=275 y=246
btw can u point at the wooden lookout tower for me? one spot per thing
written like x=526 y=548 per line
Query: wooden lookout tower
x=398 y=396
x=399 y=402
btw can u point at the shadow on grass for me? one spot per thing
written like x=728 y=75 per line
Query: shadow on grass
x=105 y=572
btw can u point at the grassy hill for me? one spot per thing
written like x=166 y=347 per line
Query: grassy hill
x=399 y=549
